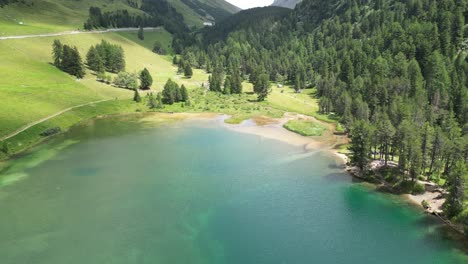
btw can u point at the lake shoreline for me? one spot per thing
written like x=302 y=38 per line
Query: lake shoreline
x=264 y=127
x=275 y=130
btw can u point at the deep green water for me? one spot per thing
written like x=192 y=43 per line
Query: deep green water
x=195 y=192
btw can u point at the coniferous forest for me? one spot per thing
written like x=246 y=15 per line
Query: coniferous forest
x=395 y=73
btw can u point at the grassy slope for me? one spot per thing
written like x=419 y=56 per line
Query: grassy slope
x=45 y=16
x=192 y=18
x=305 y=127
x=151 y=36
x=36 y=89
x=222 y=4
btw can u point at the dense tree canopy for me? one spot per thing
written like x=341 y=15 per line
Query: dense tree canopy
x=394 y=72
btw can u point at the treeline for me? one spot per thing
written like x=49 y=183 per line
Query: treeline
x=6 y=2
x=157 y=13
x=395 y=73
x=68 y=59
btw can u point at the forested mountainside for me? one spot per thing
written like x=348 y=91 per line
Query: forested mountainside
x=395 y=73
x=286 y=3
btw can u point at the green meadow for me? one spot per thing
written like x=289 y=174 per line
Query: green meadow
x=35 y=89
x=45 y=16
x=305 y=127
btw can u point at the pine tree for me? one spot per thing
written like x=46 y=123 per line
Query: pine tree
x=236 y=83
x=215 y=81
x=94 y=60
x=262 y=86
x=188 y=71
x=297 y=84
x=141 y=34
x=57 y=52
x=145 y=79
x=360 y=146
x=151 y=101
x=455 y=200
x=159 y=102
x=227 y=85
x=169 y=93
x=136 y=96
x=415 y=77
x=78 y=67
x=184 y=93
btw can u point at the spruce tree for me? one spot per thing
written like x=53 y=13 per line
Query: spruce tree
x=262 y=86
x=360 y=146
x=159 y=102
x=236 y=83
x=57 y=52
x=151 y=101
x=169 y=93
x=145 y=79
x=141 y=34
x=188 y=72
x=136 y=96
x=227 y=85
x=94 y=60
x=455 y=200
x=184 y=93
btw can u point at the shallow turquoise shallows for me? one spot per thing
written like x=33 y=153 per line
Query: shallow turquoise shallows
x=122 y=191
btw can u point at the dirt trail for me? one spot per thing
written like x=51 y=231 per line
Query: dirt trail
x=75 y=32
x=47 y=118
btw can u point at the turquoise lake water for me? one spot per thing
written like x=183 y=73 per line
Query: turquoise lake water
x=119 y=191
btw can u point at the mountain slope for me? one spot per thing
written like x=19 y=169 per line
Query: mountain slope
x=42 y=16
x=394 y=73
x=286 y=3
x=196 y=12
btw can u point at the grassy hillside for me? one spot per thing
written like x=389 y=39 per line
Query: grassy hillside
x=40 y=16
x=36 y=89
x=44 y=16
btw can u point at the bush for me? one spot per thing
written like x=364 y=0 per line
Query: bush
x=425 y=204
x=418 y=188
x=126 y=80
x=51 y=131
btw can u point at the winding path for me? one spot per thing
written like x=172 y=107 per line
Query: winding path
x=47 y=118
x=8 y=136
x=75 y=32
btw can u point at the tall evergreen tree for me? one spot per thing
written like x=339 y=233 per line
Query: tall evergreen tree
x=184 y=93
x=188 y=73
x=360 y=146
x=57 y=52
x=145 y=79
x=455 y=200
x=141 y=34
x=136 y=96
x=262 y=87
